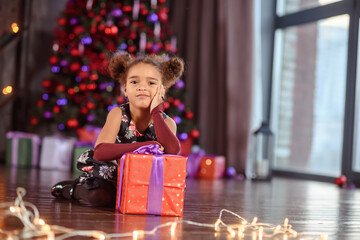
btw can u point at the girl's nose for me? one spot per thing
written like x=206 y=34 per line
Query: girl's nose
x=141 y=86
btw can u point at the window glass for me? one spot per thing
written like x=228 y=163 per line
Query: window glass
x=310 y=69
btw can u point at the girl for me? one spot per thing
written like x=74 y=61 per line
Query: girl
x=139 y=122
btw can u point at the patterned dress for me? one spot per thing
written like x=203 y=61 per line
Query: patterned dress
x=93 y=169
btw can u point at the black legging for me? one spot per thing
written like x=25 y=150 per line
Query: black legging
x=104 y=195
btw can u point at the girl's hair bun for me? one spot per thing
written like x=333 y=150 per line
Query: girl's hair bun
x=172 y=70
x=118 y=65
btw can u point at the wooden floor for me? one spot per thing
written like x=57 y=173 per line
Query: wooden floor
x=312 y=207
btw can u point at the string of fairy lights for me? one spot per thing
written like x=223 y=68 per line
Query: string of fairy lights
x=34 y=226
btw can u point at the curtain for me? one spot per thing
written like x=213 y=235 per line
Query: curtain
x=215 y=38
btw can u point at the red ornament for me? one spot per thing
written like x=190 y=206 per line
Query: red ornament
x=163 y=16
x=120 y=100
x=40 y=103
x=168 y=47
x=341 y=181
x=194 y=133
x=103 y=12
x=170 y=99
x=71 y=36
x=74 y=52
x=144 y=12
x=127 y=8
x=176 y=102
x=71 y=91
x=107 y=30
x=79 y=30
x=91 y=14
x=62 y=21
x=102 y=55
x=111 y=47
x=98 y=18
x=34 y=121
x=132 y=48
x=90 y=105
x=91 y=86
x=166 y=105
x=149 y=46
x=60 y=88
x=82 y=86
x=75 y=67
x=46 y=83
x=53 y=60
x=84 y=110
x=189 y=115
x=94 y=77
x=56 y=109
x=114 y=30
x=72 y=123
x=101 y=27
x=132 y=35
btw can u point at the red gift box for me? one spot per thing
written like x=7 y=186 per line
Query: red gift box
x=151 y=183
x=88 y=134
x=211 y=167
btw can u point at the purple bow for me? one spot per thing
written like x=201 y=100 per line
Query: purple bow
x=156 y=181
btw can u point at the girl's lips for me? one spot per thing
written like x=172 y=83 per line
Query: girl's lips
x=142 y=95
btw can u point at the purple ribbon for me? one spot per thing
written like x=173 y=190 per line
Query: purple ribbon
x=15 y=144
x=83 y=144
x=156 y=181
x=193 y=163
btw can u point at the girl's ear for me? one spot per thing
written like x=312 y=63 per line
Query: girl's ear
x=125 y=91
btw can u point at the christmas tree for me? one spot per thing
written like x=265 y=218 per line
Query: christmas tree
x=80 y=91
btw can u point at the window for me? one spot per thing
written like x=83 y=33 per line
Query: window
x=313 y=95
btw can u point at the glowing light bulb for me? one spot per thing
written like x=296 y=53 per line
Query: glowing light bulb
x=286 y=222
x=254 y=220
x=323 y=236
x=41 y=222
x=137 y=234
x=15 y=27
x=216 y=225
x=101 y=236
x=12 y=209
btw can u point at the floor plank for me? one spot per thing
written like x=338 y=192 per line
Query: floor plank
x=312 y=207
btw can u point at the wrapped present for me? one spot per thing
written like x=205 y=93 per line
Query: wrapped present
x=150 y=182
x=193 y=163
x=79 y=148
x=56 y=153
x=211 y=167
x=22 y=149
x=88 y=134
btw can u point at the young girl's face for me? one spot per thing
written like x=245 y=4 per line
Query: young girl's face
x=142 y=83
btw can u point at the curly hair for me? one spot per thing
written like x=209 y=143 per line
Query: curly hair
x=170 y=68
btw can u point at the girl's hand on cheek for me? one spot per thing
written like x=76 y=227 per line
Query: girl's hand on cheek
x=158 y=98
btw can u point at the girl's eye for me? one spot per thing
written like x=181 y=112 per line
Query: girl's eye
x=133 y=82
x=152 y=83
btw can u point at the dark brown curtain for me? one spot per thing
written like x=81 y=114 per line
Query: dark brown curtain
x=215 y=39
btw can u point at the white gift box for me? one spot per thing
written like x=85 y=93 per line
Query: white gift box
x=56 y=153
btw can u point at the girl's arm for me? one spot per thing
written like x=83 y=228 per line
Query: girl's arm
x=165 y=130
x=105 y=148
